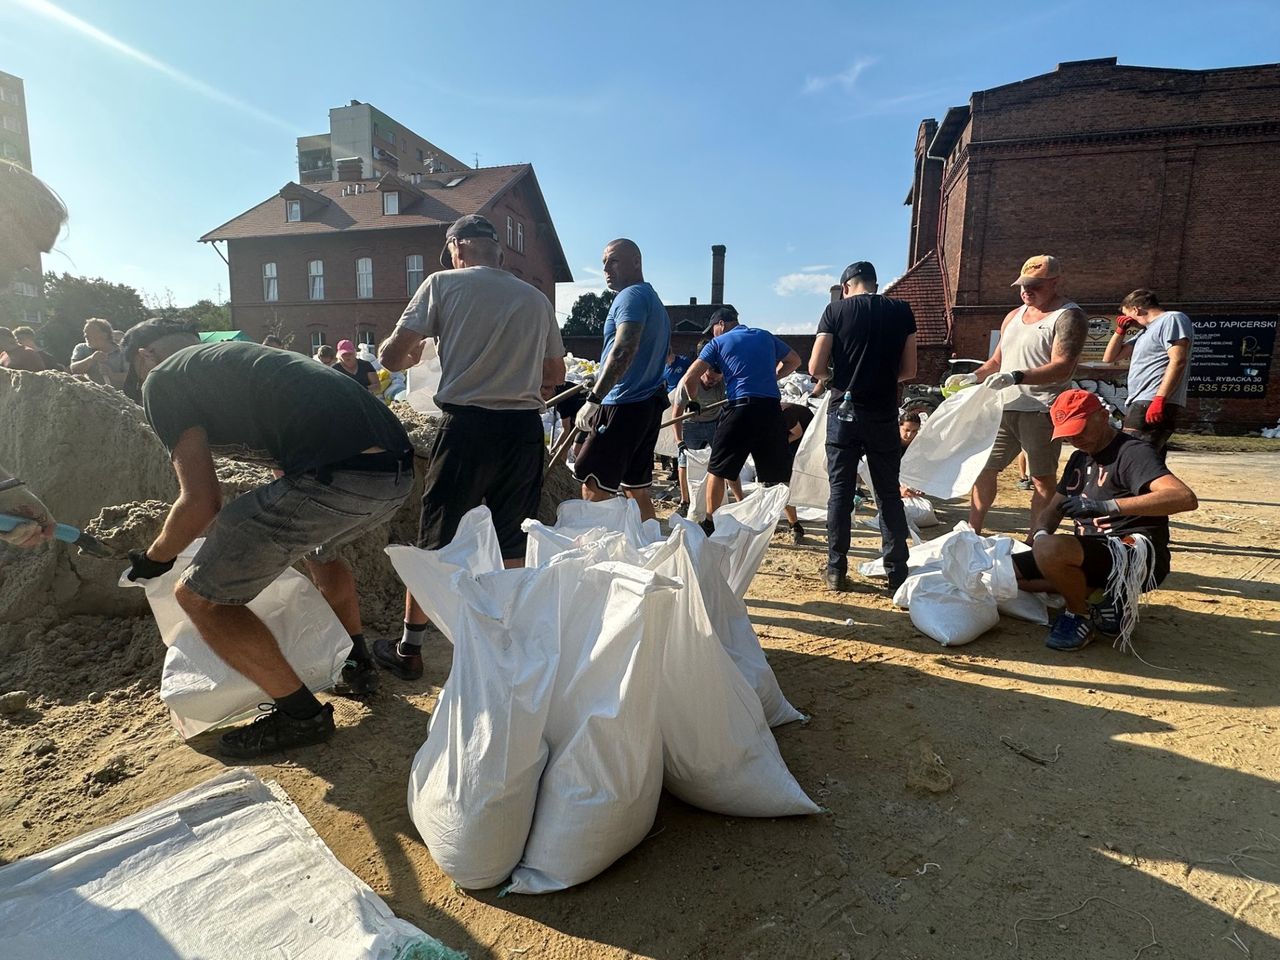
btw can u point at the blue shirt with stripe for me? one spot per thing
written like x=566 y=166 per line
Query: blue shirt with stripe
x=748 y=358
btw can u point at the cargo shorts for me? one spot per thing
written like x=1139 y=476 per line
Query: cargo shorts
x=1030 y=431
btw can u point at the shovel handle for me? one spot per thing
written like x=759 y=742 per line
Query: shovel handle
x=694 y=413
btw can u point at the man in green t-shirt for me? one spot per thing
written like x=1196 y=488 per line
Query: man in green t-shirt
x=344 y=464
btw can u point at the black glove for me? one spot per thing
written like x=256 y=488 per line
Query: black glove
x=143 y=567
x=681 y=447
x=1083 y=508
x=693 y=406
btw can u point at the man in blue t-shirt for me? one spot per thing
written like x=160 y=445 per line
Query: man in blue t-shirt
x=623 y=412
x=1159 y=365
x=752 y=362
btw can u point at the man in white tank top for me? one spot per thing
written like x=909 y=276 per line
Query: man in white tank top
x=1040 y=343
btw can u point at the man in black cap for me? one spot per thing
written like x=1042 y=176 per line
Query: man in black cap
x=344 y=463
x=752 y=362
x=866 y=346
x=499 y=346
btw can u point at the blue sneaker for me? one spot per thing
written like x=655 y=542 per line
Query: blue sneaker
x=1070 y=632
x=1107 y=614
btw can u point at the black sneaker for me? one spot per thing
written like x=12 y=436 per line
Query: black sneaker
x=797 y=533
x=275 y=731
x=359 y=678
x=682 y=510
x=1107 y=613
x=837 y=582
x=388 y=656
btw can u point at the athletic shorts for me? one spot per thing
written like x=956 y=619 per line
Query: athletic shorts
x=618 y=453
x=1135 y=422
x=263 y=532
x=754 y=428
x=1097 y=564
x=698 y=435
x=490 y=457
x=1032 y=432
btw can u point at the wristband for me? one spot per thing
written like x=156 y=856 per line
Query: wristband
x=1018 y=376
x=592 y=398
x=1038 y=534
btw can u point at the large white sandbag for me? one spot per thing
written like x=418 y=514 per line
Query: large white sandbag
x=953 y=445
x=731 y=622
x=919 y=512
x=810 y=482
x=747 y=527
x=696 y=462
x=474 y=782
x=718 y=752
x=599 y=793
x=200 y=689
x=422 y=382
x=941 y=611
x=576 y=517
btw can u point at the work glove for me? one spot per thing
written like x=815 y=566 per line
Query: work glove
x=999 y=381
x=958 y=381
x=1126 y=325
x=681 y=448
x=142 y=567
x=585 y=421
x=1155 y=412
x=16 y=500
x=1085 y=508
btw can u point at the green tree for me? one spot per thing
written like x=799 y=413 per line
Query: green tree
x=587 y=317
x=70 y=301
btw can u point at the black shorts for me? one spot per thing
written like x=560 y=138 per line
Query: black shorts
x=1135 y=422
x=620 y=456
x=1097 y=563
x=490 y=457
x=754 y=428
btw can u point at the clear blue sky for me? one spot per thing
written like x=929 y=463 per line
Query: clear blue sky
x=783 y=130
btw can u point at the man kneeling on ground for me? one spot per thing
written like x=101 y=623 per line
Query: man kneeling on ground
x=345 y=465
x=1120 y=494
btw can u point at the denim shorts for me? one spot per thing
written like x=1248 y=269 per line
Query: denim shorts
x=697 y=436
x=262 y=533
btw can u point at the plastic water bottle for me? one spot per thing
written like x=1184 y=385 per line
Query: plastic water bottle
x=845 y=410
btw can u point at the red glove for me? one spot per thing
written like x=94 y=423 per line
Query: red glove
x=1155 y=412
x=1124 y=324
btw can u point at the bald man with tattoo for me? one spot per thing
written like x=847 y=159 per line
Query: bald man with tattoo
x=1040 y=344
x=623 y=412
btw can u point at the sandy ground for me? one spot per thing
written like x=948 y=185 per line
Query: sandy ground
x=1157 y=817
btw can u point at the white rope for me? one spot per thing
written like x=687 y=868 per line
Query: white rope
x=1132 y=573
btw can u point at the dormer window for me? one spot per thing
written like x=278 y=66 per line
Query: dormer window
x=293 y=211
x=391 y=203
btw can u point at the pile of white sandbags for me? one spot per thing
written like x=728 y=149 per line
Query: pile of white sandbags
x=614 y=663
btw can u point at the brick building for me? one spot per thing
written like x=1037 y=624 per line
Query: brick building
x=340 y=259
x=21 y=302
x=1133 y=177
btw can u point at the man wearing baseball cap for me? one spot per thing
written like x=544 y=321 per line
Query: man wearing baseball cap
x=499 y=345
x=1040 y=343
x=1159 y=362
x=1120 y=495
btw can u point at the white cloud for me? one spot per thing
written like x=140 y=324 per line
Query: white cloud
x=805 y=284
x=815 y=269
x=846 y=79
x=810 y=326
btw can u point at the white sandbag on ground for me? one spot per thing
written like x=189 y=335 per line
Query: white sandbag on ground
x=200 y=689
x=953 y=445
x=718 y=752
x=599 y=793
x=622 y=514
x=810 y=482
x=224 y=871
x=919 y=512
x=473 y=783
x=746 y=528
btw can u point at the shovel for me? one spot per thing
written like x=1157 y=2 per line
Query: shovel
x=64 y=532
x=694 y=413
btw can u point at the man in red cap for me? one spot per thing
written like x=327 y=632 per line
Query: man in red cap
x=1120 y=495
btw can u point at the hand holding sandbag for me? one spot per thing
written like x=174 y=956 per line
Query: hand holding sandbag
x=999 y=381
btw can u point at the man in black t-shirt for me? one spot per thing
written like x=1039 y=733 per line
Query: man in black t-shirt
x=1120 y=495
x=866 y=346
x=344 y=464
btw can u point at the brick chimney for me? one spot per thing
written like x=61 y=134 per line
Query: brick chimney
x=350 y=168
x=717 y=273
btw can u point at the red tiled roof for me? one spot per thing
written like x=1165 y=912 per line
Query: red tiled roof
x=363 y=211
x=921 y=286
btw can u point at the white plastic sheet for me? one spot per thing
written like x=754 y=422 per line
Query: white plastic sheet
x=423 y=381
x=200 y=689
x=953 y=445
x=810 y=482
x=224 y=871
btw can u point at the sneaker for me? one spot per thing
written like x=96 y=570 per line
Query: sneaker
x=1107 y=614
x=837 y=582
x=1070 y=632
x=359 y=678
x=388 y=656
x=274 y=731
x=708 y=526
x=797 y=533
x=1024 y=483
x=682 y=510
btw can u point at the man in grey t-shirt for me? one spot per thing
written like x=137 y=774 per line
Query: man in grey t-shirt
x=100 y=358
x=1159 y=365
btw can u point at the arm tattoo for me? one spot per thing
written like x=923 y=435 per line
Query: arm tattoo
x=1069 y=334
x=625 y=347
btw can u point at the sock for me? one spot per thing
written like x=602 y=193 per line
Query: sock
x=359 y=652
x=300 y=705
x=411 y=641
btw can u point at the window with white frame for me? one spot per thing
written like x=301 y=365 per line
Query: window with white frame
x=317 y=341
x=293 y=211
x=520 y=237
x=364 y=277
x=368 y=336
x=510 y=232
x=391 y=203
x=315 y=279
x=270 y=285
x=24 y=289
x=413 y=272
